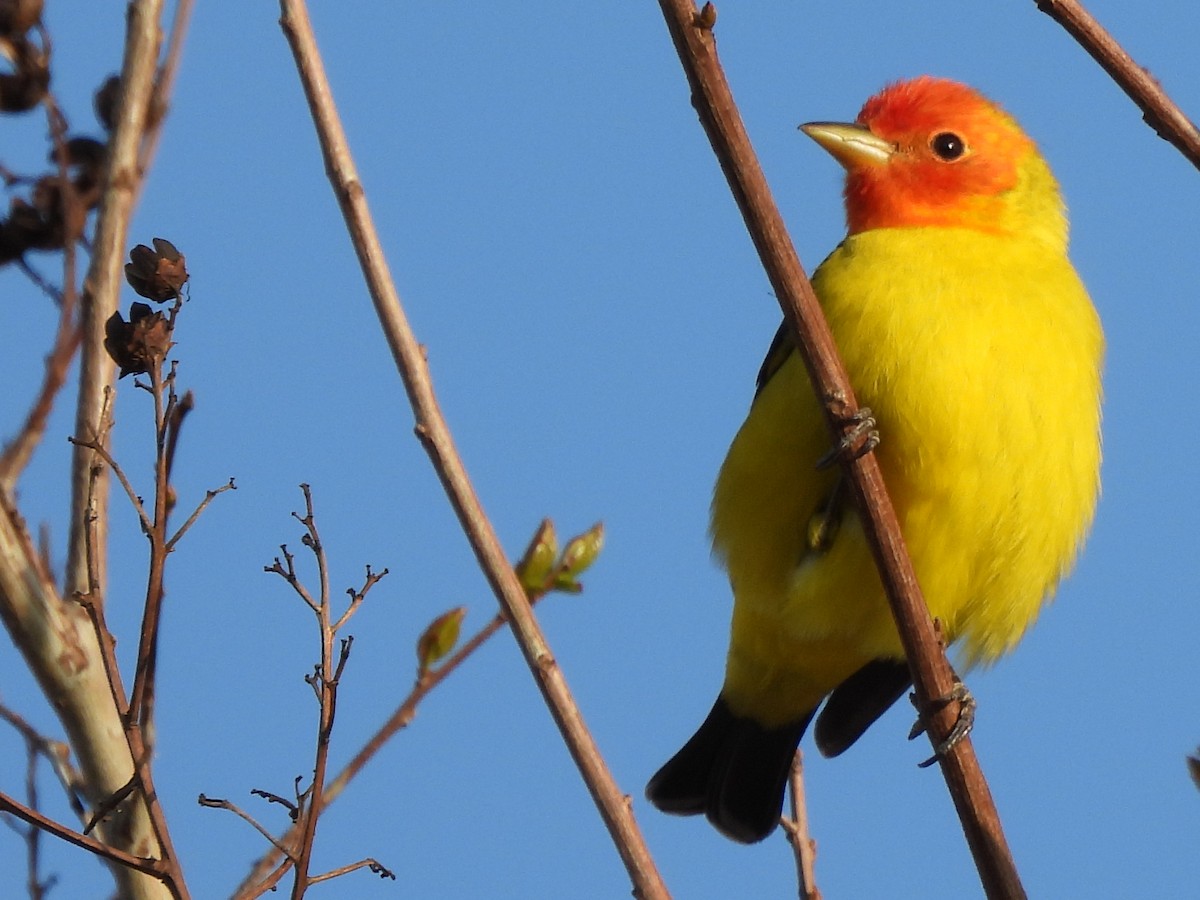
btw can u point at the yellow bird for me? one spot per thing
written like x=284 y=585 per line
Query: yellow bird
x=966 y=330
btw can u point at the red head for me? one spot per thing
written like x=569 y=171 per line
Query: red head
x=932 y=152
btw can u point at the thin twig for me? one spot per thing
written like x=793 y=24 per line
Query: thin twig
x=39 y=281
x=803 y=846
x=373 y=864
x=209 y=496
x=95 y=612
x=33 y=836
x=97 y=447
x=33 y=817
x=57 y=753
x=297 y=845
x=435 y=436
x=692 y=34
x=162 y=389
x=1159 y=111
x=357 y=597
x=164 y=83
x=179 y=412
x=218 y=803
x=287 y=571
x=66 y=339
x=265 y=872
x=36 y=746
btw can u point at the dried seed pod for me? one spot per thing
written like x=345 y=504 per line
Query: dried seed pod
x=24 y=87
x=18 y=16
x=137 y=344
x=105 y=102
x=157 y=274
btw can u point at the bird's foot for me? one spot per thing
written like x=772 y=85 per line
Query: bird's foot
x=961 y=695
x=860 y=438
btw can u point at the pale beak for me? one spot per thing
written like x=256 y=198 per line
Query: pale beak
x=852 y=145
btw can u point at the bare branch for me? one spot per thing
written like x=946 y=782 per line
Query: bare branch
x=164 y=84
x=33 y=817
x=66 y=339
x=803 y=846
x=209 y=496
x=122 y=179
x=435 y=436
x=97 y=447
x=374 y=865
x=61 y=647
x=713 y=100
x=218 y=803
x=263 y=876
x=357 y=597
x=287 y=571
x=1159 y=111
x=178 y=412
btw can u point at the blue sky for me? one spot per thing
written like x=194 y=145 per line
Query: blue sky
x=594 y=314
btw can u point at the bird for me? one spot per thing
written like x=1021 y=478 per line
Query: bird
x=965 y=329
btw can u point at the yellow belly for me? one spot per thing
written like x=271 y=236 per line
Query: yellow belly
x=982 y=367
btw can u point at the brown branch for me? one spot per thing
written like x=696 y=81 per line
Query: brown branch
x=164 y=83
x=66 y=339
x=57 y=753
x=297 y=845
x=265 y=873
x=803 y=846
x=692 y=34
x=137 y=714
x=218 y=803
x=209 y=496
x=1159 y=111
x=36 y=747
x=152 y=867
x=97 y=447
x=373 y=864
x=102 y=283
x=62 y=650
x=435 y=436
x=179 y=412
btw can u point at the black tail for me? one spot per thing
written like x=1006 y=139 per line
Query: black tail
x=733 y=770
x=858 y=701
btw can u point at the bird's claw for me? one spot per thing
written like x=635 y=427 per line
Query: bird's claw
x=859 y=439
x=962 y=724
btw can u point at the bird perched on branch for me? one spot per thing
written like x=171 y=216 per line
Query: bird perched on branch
x=965 y=329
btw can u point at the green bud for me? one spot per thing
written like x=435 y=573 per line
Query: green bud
x=439 y=638
x=534 y=568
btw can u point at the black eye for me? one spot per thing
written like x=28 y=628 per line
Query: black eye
x=948 y=145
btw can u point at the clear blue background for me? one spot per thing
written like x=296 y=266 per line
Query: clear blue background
x=594 y=314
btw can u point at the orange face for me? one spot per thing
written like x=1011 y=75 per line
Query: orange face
x=953 y=158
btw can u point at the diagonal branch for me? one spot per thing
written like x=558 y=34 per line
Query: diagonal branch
x=1160 y=111
x=66 y=338
x=102 y=283
x=932 y=677
x=37 y=820
x=434 y=434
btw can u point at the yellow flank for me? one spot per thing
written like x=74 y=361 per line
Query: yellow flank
x=979 y=355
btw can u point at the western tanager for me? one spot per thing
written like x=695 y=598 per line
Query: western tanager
x=967 y=332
